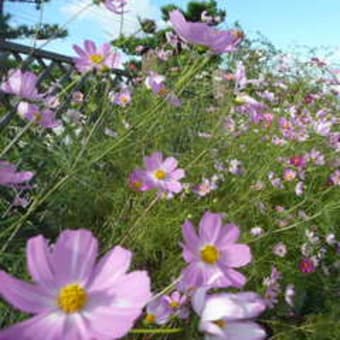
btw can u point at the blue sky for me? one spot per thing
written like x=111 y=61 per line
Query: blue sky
x=286 y=23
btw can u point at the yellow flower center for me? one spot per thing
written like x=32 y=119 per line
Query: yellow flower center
x=38 y=117
x=160 y=174
x=175 y=304
x=210 y=254
x=150 y=318
x=124 y=99
x=163 y=92
x=72 y=298
x=137 y=184
x=97 y=58
x=221 y=323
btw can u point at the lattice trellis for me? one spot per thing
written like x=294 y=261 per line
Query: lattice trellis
x=53 y=68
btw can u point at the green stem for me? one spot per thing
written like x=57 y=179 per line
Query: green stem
x=156 y=331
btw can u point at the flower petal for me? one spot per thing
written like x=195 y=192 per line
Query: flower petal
x=237 y=279
x=39 y=261
x=25 y=296
x=230 y=234
x=109 y=268
x=74 y=256
x=245 y=330
x=41 y=327
x=210 y=227
x=236 y=255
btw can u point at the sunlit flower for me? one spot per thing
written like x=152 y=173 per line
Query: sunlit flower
x=202 y=34
x=22 y=84
x=72 y=296
x=229 y=316
x=116 y=6
x=91 y=57
x=162 y=173
x=213 y=254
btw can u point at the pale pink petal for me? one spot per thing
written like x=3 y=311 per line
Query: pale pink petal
x=178 y=174
x=153 y=161
x=236 y=255
x=170 y=164
x=245 y=330
x=230 y=233
x=25 y=296
x=42 y=327
x=210 y=227
x=39 y=261
x=109 y=268
x=74 y=256
x=237 y=279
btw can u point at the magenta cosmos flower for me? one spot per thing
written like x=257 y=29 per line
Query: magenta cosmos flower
x=10 y=177
x=116 y=6
x=229 y=316
x=44 y=117
x=213 y=254
x=72 y=296
x=163 y=174
x=21 y=84
x=202 y=34
x=93 y=58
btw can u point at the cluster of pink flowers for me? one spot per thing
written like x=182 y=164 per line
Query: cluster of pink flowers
x=31 y=104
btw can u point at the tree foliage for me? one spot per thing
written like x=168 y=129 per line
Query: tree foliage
x=39 y=31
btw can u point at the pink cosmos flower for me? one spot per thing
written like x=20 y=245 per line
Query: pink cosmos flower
x=137 y=181
x=156 y=83
x=289 y=174
x=157 y=312
x=213 y=254
x=22 y=84
x=72 y=296
x=177 y=303
x=116 y=6
x=163 y=174
x=335 y=178
x=93 y=58
x=123 y=98
x=202 y=34
x=273 y=287
x=307 y=266
x=44 y=117
x=10 y=177
x=229 y=316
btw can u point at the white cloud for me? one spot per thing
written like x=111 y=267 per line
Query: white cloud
x=110 y=23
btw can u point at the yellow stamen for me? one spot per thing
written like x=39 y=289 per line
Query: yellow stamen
x=150 y=318
x=163 y=91
x=210 y=254
x=137 y=184
x=38 y=117
x=175 y=304
x=72 y=298
x=97 y=58
x=160 y=174
x=221 y=323
x=124 y=99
